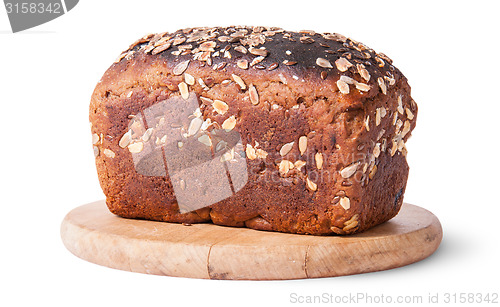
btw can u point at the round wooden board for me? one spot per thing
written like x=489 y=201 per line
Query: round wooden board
x=92 y=233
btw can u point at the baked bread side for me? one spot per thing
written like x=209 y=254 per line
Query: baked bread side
x=322 y=121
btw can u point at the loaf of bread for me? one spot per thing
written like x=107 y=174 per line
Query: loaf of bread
x=297 y=132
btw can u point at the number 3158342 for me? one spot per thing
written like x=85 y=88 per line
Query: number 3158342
x=33 y=8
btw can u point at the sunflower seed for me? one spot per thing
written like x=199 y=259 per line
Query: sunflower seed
x=147 y=135
x=347 y=79
x=96 y=151
x=262 y=154
x=241 y=49
x=243 y=64
x=194 y=126
x=349 y=170
x=382 y=85
x=254 y=96
x=373 y=172
x=399 y=123
x=163 y=139
x=306 y=40
x=343 y=64
x=380 y=62
x=207 y=123
x=289 y=63
x=376 y=150
x=406 y=129
x=311 y=185
x=273 y=66
x=108 y=153
x=125 y=139
x=302 y=144
x=229 y=123
x=257 y=60
x=353 y=219
x=256 y=51
x=323 y=63
x=285 y=166
x=343 y=87
x=400 y=105
x=95 y=138
x=136 y=147
x=335 y=37
x=189 y=79
x=391 y=80
x=183 y=88
x=299 y=164
x=404 y=151
x=227 y=156
x=205 y=100
x=180 y=68
x=345 y=203
x=394 y=147
x=240 y=81
x=203 y=85
x=220 y=66
x=383 y=112
x=205 y=56
x=367 y=123
x=377 y=117
x=383 y=145
x=160 y=48
x=220 y=106
x=350 y=226
x=285 y=149
x=363 y=72
x=205 y=140
x=318 y=157
x=401 y=144
x=178 y=41
x=250 y=151
x=197 y=112
x=207 y=46
x=365 y=168
x=409 y=114
x=362 y=87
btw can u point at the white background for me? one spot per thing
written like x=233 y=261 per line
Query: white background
x=449 y=51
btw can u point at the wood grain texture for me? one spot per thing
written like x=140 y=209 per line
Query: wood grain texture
x=92 y=233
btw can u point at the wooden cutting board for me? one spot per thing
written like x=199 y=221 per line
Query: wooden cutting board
x=92 y=233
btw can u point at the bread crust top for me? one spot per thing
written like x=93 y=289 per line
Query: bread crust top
x=352 y=66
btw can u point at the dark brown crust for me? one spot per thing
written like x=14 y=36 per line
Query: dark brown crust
x=294 y=100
